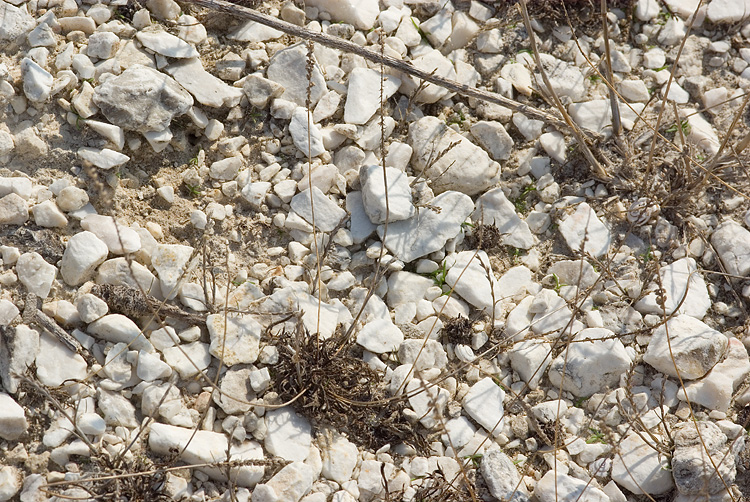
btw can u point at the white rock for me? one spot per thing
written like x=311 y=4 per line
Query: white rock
x=254 y=32
x=519 y=76
x=422 y=354
x=634 y=90
x=35 y=273
x=732 y=243
x=702 y=134
x=327 y=213
x=530 y=359
x=675 y=93
x=472 y=279
x=85 y=69
x=90 y=308
x=103 y=45
x=406 y=287
x=715 y=390
x=428 y=402
x=305 y=134
x=728 y=11
x=14 y=22
x=19 y=186
x=118 y=238
x=551 y=312
x=104 y=158
x=56 y=364
x=13 y=422
x=380 y=336
x=166 y=44
x=190 y=29
x=84 y=252
x=646 y=10
x=204 y=447
x=431 y=62
x=587 y=367
x=438 y=28
x=260 y=91
x=640 y=468
x=484 y=403
x=113 y=133
x=584 y=225
x=207 y=89
x=116 y=367
x=120 y=271
x=363 y=97
x=693 y=348
x=359 y=223
x=47 y=214
x=289 y=434
x=556 y=485
x=150 y=367
x=672 y=32
x=429 y=230
x=339 y=456
x=288 y=68
x=91 y=424
x=13 y=210
x=502 y=477
x=19 y=352
x=493 y=138
x=684 y=291
x=235 y=341
x=117 y=328
x=465 y=167
x=255 y=193
x=399 y=205
x=11 y=480
x=289 y=300
x=566 y=79
x=360 y=13
x=494 y=208
x=327 y=106
x=37 y=82
x=188 y=359
x=288 y=485
x=458 y=432
x=170 y=262
x=554 y=144
x=530 y=128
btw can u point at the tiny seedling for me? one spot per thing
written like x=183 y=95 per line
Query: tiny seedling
x=684 y=125
x=475 y=458
x=556 y=283
x=596 y=436
x=193 y=190
x=520 y=201
x=439 y=275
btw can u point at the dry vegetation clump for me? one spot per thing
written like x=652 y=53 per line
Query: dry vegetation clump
x=330 y=385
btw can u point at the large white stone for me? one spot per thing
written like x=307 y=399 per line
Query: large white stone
x=327 y=213
x=102 y=158
x=493 y=137
x=428 y=230
x=339 y=456
x=47 y=214
x=530 y=358
x=14 y=22
x=207 y=89
x=472 y=279
x=380 y=336
x=399 y=200
x=37 y=82
x=640 y=468
x=170 y=262
x=360 y=13
x=166 y=44
x=56 y=364
x=288 y=485
x=288 y=67
x=252 y=31
x=732 y=243
x=35 y=273
x=684 y=291
x=728 y=11
x=431 y=62
x=463 y=167
x=587 y=367
x=305 y=134
x=584 y=228
x=289 y=434
x=204 y=447
x=557 y=486
x=363 y=96
x=117 y=328
x=188 y=359
x=13 y=422
x=494 y=208
x=686 y=345
x=484 y=403
x=235 y=341
x=118 y=238
x=502 y=477
x=428 y=402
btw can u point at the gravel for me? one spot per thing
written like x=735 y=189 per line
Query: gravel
x=503 y=324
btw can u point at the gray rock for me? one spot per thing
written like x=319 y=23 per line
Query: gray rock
x=699 y=446
x=166 y=44
x=502 y=477
x=14 y=22
x=640 y=468
x=327 y=213
x=37 y=82
x=235 y=384
x=359 y=223
x=428 y=230
x=16 y=355
x=288 y=68
x=260 y=91
x=464 y=167
x=493 y=137
x=693 y=348
x=142 y=99
x=207 y=89
x=13 y=210
x=494 y=208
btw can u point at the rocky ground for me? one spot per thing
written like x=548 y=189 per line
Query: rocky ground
x=240 y=266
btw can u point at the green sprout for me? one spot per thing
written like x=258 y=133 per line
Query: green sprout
x=648 y=255
x=557 y=283
x=193 y=190
x=684 y=125
x=596 y=436
x=474 y=459
x=520 y=201
x=595 y=78
x=439 y=275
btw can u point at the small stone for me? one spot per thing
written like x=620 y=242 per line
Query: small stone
x=190 y=29
x=118 y=238
x=288 y=434
x=260 y=91
x=502 y=477
x=103 y=45
x=728 y=11
x=493 y=138
x=35 y=273
x=672 y=32
x=583 y=228
x=255 y=193
x=56 y=364
x=732 y=243
x=684 y=291
x=225 y=169
x=11 y=479
x=365 y=91
x=693 y=348
x=13 y=422
x=72 y=199
x=462 y=167
x=428 y=402
x=428 y=230
x=91 y=307
x=254 y=32
x=494 y=208
x=399 y=199
x=13 y=210
x=207 y=89
x=37 y=82
x=205 y=447
x=484 y=403
x=288 y=68
x=556 y=485
x=104 y=158
x=634 y=90
x=166 y=44
x=235 y=341
x=327 y=213
x=339 y=456
x=236 y=394
x=84 y=252
x=640 y=468
x=305 y=134
x=47 y=214
x=169 y=261
x=380 y=336
x=14 y=22
x=715 y=390
x=18 y=354
x=431 y=62
x=117 y=328
x=530 y=358
x=188 y=359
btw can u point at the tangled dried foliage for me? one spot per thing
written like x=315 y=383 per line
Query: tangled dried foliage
x=337 y=388
x=436 y=487
x=484 y=237
x=458 y=330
